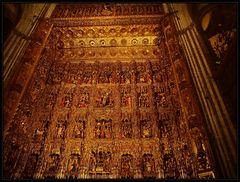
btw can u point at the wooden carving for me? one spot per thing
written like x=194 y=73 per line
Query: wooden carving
x=109 y=84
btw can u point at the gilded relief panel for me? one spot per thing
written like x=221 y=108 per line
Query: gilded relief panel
x=108 y=9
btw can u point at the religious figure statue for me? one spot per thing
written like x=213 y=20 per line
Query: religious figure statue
x=163 y=101
x=38 y=134
x=126 y=97
x=126 y=166
x=148 y=78
x=105 y=99
x=143 y=98
x=66 y=100
x=148 y=166
x=127 y=128
x=87 y=77
x=146 y=131
x=141 y=78
x=84 y=100
x=79 y=129
x=125 y=77
x=52 y=166
x=155 y=72
x=108 y=129
x=169 y=165
x=92 y=162
x=100 y=161
x=73 y=166
x=103 y=128
x=107 y=162
x=98 y=130
x=107 y=10
x=61 y=126
x=202 y=158
x=59 y=131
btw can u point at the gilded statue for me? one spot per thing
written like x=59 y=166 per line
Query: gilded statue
x=107 y=10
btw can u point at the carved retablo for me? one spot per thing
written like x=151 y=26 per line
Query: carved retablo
x=108 y=100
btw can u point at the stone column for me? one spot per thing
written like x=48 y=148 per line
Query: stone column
x=23 y=76
x=20 y=37
x=217 y=118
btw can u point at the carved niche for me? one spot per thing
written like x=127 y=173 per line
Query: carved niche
x=143 y=74
x=126 y=127
x=71 y=73
x=37 y=84
x=80 y=127
x=170 y=165
x=174 y=48
x=125 y=75
x=106 y=74
x=67 y=98
x=164 y=124
x=190 y=104
x=103 y=128
x=41 y=129
x=100 y=161
x=148 y=165
x=145 y=126
x=164 y=96
x=104 y=98
x=126 y=98
x=143 y=97
x=73 y=166
x=126 y=166
x=61 y=127
x=84 y=97
x=180 y=72
x=202 y=157
x=52 y=166
x=87 y=74
x=160 y=99
x=157 y=77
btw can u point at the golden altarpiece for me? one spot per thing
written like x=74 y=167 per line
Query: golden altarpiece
x=110 y=97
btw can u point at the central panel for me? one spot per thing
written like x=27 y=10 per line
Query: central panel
x=107 y=78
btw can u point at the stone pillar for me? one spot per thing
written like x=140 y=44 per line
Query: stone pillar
x=217 y=118
x=20 y=37
x=24 y=74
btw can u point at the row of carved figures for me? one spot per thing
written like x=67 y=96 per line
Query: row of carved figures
x=106 y=10
x=101 y=162
x=162 y=98
x=124 y=77
x=103 y=129
x=112 y=73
